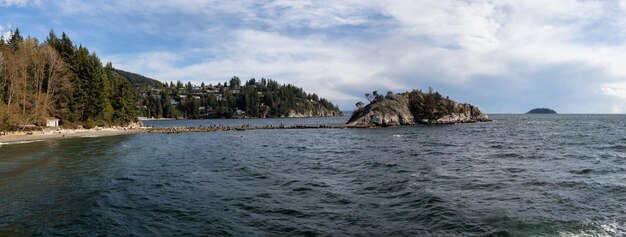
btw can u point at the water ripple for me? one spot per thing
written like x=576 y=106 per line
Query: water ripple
x=520 y=175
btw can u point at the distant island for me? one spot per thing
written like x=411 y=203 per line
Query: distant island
x=415 y=107
x=541 y=111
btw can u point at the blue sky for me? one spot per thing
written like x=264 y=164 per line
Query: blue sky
x=503 y=56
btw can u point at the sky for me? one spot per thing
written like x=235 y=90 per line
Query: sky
x=505 y=56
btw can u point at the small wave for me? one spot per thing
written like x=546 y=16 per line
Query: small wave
x=302 y=189
x=515 y=170
x=19 y=142
x=123 y=179
x=508 y=155
x=615 y=228
x=337 y=199
x=583 y=171
x=376 y=164
x=604 y=229
x=288 y=212
x=619 y=148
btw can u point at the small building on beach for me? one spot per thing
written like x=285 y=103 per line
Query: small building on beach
x=52 y=122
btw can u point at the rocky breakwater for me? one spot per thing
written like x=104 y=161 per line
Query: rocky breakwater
x=169 y=130
x=415 y=107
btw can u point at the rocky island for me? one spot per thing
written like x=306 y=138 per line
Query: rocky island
x=415 y=107
x=541 y=111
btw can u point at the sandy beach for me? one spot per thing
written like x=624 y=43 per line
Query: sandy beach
x=19 y=137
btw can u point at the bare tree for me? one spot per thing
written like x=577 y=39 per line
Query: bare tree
x=34 y=81
x=3 y=86
x=16 y=72
x=58 y=82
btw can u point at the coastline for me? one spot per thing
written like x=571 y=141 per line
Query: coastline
x=23 y=137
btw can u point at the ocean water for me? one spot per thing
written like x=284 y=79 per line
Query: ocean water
x=520 y=175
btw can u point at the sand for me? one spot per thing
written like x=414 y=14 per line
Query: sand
x=20 y=137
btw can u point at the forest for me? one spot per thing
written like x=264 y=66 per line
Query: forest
x=233 y=99
x=57 y=79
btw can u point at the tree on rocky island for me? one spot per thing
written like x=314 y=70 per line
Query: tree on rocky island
x=369 y=97
x=390 y=95
x=359 y=105
x=413 y=107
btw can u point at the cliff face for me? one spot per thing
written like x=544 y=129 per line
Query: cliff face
x=314 y=110
x=415 y=107
x=313 y=113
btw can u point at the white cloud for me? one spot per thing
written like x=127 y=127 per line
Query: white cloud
x=19 y=2
x=312 y=63
x=615 y=89
x=6 y=35
x=342 y=48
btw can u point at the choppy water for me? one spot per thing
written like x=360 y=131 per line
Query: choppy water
x=521 y=175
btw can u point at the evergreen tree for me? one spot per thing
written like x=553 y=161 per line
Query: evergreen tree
x=15 y=39
x=235 y=82
x=53 y=40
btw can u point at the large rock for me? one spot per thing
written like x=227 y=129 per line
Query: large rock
x=383 y=113
x=409 y=109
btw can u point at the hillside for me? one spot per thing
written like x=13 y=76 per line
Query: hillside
x=263 y=98
x=138 y=80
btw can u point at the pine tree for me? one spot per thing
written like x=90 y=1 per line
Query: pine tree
x=53 y=40
x=15 y=39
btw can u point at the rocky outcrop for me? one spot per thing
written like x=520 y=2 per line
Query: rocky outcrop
x=135 y=125
x=383 y=113
x=469 y=114
x=415 y=108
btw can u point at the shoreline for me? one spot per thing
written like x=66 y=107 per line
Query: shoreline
x=27 y=137
x=24 y=137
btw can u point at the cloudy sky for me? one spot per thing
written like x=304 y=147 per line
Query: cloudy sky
x=503 y=56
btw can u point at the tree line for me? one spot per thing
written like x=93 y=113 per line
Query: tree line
x=232 y=99
x=57 y=79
